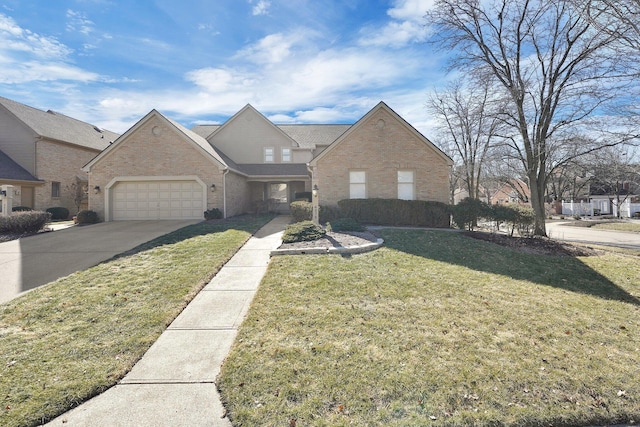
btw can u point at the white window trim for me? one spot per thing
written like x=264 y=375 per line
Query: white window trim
x=272 y=155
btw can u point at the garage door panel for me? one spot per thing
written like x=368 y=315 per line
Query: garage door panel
x=157 y=200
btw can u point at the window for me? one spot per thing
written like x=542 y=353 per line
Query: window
x=268 y=155
x=357 y=185
x=286 y=155
x=278 y=192
x=55 y=189
x=406 y=185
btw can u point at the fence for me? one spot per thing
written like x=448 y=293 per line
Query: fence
x=600 y=207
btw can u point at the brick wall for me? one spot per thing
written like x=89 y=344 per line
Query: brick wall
x=61 y=163
x=381 y=146
x=161 y=154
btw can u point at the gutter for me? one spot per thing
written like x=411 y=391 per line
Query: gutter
x=224 y=193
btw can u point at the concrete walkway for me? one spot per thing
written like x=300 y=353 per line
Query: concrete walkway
x=174 y=382
x=620 y=239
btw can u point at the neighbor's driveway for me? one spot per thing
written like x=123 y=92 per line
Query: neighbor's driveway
x=561 y=231
x=33 y=261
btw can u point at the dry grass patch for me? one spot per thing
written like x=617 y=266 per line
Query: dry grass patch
x=439 y=329
x=70 y=340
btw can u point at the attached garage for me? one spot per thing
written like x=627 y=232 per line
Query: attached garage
x=157 y=199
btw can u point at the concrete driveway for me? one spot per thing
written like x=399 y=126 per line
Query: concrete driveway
x=36 y=260
x=620 y=239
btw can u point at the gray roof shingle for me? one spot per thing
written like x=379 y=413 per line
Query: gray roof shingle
x=310 y=136
x=13 y=171
x=57 y=126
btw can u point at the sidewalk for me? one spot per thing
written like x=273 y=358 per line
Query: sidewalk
x=174 y=382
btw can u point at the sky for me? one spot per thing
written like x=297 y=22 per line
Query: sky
x=110 y=62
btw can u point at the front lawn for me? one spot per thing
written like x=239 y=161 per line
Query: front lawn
x=70 y=340
x=631 y=227
x=439 y=329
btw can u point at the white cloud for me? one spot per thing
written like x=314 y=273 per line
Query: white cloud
x=271 y=49
x=15 y=38
x=78 y=21
x=261 y=8
x=407 y=25
x=410 y=10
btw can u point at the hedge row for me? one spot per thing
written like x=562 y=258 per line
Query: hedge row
x=379 y=211
x=418 y=213
x=25 y=222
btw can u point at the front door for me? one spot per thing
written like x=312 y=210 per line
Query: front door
x=279 y=195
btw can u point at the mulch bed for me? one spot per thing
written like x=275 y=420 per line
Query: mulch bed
x=334 y=240
x=534 y=245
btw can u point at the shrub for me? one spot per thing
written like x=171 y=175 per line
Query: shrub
x=468 y=211
x=58 y=213
x=345 y=224
x=21 y=209
x=26 y=222
x=301 y=211
x=214 y=213
x=302 y=232
x=524 y=220
x=396 y=212
x=87 y=217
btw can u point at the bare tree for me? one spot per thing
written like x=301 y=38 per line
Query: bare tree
x=626 y=15
x=558 y=70
x=469 y=119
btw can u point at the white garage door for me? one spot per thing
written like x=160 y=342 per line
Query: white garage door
x=157 y=200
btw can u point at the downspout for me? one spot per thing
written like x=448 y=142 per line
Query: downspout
x=224 y=192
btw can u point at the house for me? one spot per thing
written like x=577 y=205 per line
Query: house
x=42 y=154
x=158 y=169
x=513 y=191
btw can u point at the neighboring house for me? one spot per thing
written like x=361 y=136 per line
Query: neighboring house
x=42 y=154
x=515 y=191
x=160 y=170
x=462 y=193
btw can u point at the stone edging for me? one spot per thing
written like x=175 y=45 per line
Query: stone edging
x=357 y=249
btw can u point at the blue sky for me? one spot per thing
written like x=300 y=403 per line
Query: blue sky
x=109 y=62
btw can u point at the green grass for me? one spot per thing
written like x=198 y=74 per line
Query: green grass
x=632 y=227
x=439 y=329
x=65 y=342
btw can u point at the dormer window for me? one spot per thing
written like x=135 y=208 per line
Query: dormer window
x=286 y=155
x=268 y=155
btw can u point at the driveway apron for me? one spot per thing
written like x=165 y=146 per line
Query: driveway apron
x=174 y=382
x=36 y=260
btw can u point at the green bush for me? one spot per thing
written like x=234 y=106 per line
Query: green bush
x=87 y=217
x=302 y=232
x=467 y=213
x=396 y=212
x=524 y=220
x=21 y=209
x=214 y=213
x=58 y=213
x=24 y=222
x=301 y=210
x=345 y=224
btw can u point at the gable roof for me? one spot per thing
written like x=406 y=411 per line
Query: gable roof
x=240 y=113
x=311 y=136
x=57 y=126
x=10 y=170
x=382 y=106
x=199 y=142
x=205 y=130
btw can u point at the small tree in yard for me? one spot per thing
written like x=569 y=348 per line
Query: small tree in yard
x=79 y=194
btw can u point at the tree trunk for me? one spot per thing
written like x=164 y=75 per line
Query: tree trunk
x=537 y=203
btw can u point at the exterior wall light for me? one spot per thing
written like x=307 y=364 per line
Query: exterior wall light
x=315 y=212
x=213 y=188
x=315 y=190
x=96 y=189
